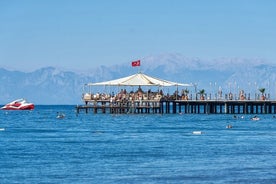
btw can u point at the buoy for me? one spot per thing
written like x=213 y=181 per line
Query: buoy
x=2 y=129
x=197 y=132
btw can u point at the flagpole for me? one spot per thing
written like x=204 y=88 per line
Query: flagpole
x=139 y=66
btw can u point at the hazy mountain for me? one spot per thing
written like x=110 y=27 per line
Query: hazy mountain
x=43 y=86
x=53 y=86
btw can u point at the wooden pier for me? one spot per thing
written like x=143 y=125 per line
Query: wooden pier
x=180 y=107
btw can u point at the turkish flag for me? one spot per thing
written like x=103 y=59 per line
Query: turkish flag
x=135 y=63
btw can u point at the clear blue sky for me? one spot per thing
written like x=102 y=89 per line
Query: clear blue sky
x=78 y=34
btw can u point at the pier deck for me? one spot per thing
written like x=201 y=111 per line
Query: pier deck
x=180 y=106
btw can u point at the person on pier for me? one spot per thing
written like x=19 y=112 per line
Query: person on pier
x=242 y=96
x=230 y=96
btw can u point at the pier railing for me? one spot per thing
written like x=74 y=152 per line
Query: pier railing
x=174 y=106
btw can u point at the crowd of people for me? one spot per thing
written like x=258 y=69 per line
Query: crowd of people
x=158 y=95
x=123 y=95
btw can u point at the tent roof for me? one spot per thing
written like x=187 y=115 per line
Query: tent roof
x=138 y=79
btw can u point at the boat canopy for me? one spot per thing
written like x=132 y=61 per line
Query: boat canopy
x=138 y=79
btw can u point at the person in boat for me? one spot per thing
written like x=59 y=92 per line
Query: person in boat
x=255 y=118
x=60 y=115
x=229 y=126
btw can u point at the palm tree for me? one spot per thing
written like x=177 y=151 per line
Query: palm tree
x=185 y=94
x=202 y=94
x=262 y=91
x=186 y=91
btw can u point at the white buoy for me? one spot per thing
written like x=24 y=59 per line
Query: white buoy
x=197 y=132
x=2 y=129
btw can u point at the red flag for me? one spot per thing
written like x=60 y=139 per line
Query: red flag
x=135 y=63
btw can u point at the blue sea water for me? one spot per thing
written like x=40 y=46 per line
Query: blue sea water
x=36 y=147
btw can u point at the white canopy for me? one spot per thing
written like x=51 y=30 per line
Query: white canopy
x=138 y=79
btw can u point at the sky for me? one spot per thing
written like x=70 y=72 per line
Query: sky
x=84 y=34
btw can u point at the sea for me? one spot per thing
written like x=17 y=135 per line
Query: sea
x=37 y=147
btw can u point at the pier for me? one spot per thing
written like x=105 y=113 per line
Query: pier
x=179 y=107
x=153 y=100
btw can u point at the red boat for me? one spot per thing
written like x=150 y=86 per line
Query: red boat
x=19 y=104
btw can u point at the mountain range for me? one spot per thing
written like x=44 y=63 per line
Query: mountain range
x=51 y=85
